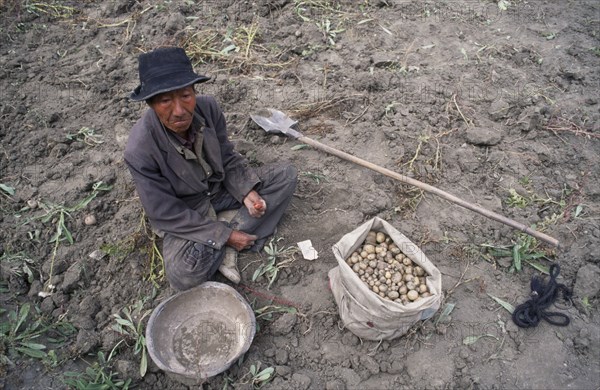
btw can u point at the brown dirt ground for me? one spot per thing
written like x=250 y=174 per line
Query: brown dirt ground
x=480 y=102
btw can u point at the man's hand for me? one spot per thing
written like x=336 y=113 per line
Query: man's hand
x=255 y=204
x=240 y=240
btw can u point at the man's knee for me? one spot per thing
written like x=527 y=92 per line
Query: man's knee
x=283 y=175
x=290 y=174
x=188 y=264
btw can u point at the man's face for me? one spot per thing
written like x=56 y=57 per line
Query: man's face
x=175 y=109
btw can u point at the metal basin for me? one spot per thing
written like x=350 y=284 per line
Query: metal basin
x=199 y=333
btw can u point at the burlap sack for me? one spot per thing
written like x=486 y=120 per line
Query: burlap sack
x=364 y=312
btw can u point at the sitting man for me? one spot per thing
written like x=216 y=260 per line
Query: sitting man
x=186 y=172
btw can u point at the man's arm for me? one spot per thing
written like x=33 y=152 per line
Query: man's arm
x=239 y=179
x=169 y=213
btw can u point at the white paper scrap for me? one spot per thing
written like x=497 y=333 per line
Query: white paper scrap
x=308 y=251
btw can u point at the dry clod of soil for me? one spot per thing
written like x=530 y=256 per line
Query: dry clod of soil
x=587 y=284
x=483 y=136
x=72 y=278
x=283 y=325
x=283 y=371
x=303 y=381
x=335 y=384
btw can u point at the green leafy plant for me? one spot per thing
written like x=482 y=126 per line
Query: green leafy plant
x=51 y=8
x=131 y=325
x=258 y=377
x=156 y=266
x=6 y=190
x=303 y=7
x=58 y=214
x=329 y=32
x=272 y=267
x=98 y=376
x=525 y=250
x=86 y=135
x=17 y=264
x=509 y=308
x=317 y=177
x=266 y=312
x=20 y=334
x=516 y=200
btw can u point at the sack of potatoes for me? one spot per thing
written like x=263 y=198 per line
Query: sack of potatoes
x=383 y=283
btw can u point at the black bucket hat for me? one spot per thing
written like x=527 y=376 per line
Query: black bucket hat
x=163 y=70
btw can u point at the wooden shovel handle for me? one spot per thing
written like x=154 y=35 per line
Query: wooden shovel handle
x=433 y=190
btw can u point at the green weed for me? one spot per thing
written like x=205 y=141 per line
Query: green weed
x=20 y=334
x=17 y=264
x=257 y=377
x=517 y=200
x=119 y=250
x=156 y=268
x=6 y=190
x=86 y=135
x=329 y=32
x=317 y=177
x=266 y=312
x=53 y=9
x=131 y=325
x=310 y=7
x=58 y=214
x=526 y=250
x=521 y=201
x=272 y=267
x=98 y=376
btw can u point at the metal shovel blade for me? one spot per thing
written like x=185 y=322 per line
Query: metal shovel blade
x=275 y=121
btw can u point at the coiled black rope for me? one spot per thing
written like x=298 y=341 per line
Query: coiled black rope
x=530 y=313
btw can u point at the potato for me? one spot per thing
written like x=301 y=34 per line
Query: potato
x=412 y=295
x=371 y=238
x=388 y=272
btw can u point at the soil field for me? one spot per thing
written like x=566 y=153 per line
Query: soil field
x=496 y=102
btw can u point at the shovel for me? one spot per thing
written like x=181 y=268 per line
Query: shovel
x=274 y=121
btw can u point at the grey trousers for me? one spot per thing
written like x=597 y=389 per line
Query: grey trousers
x=188 y=263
